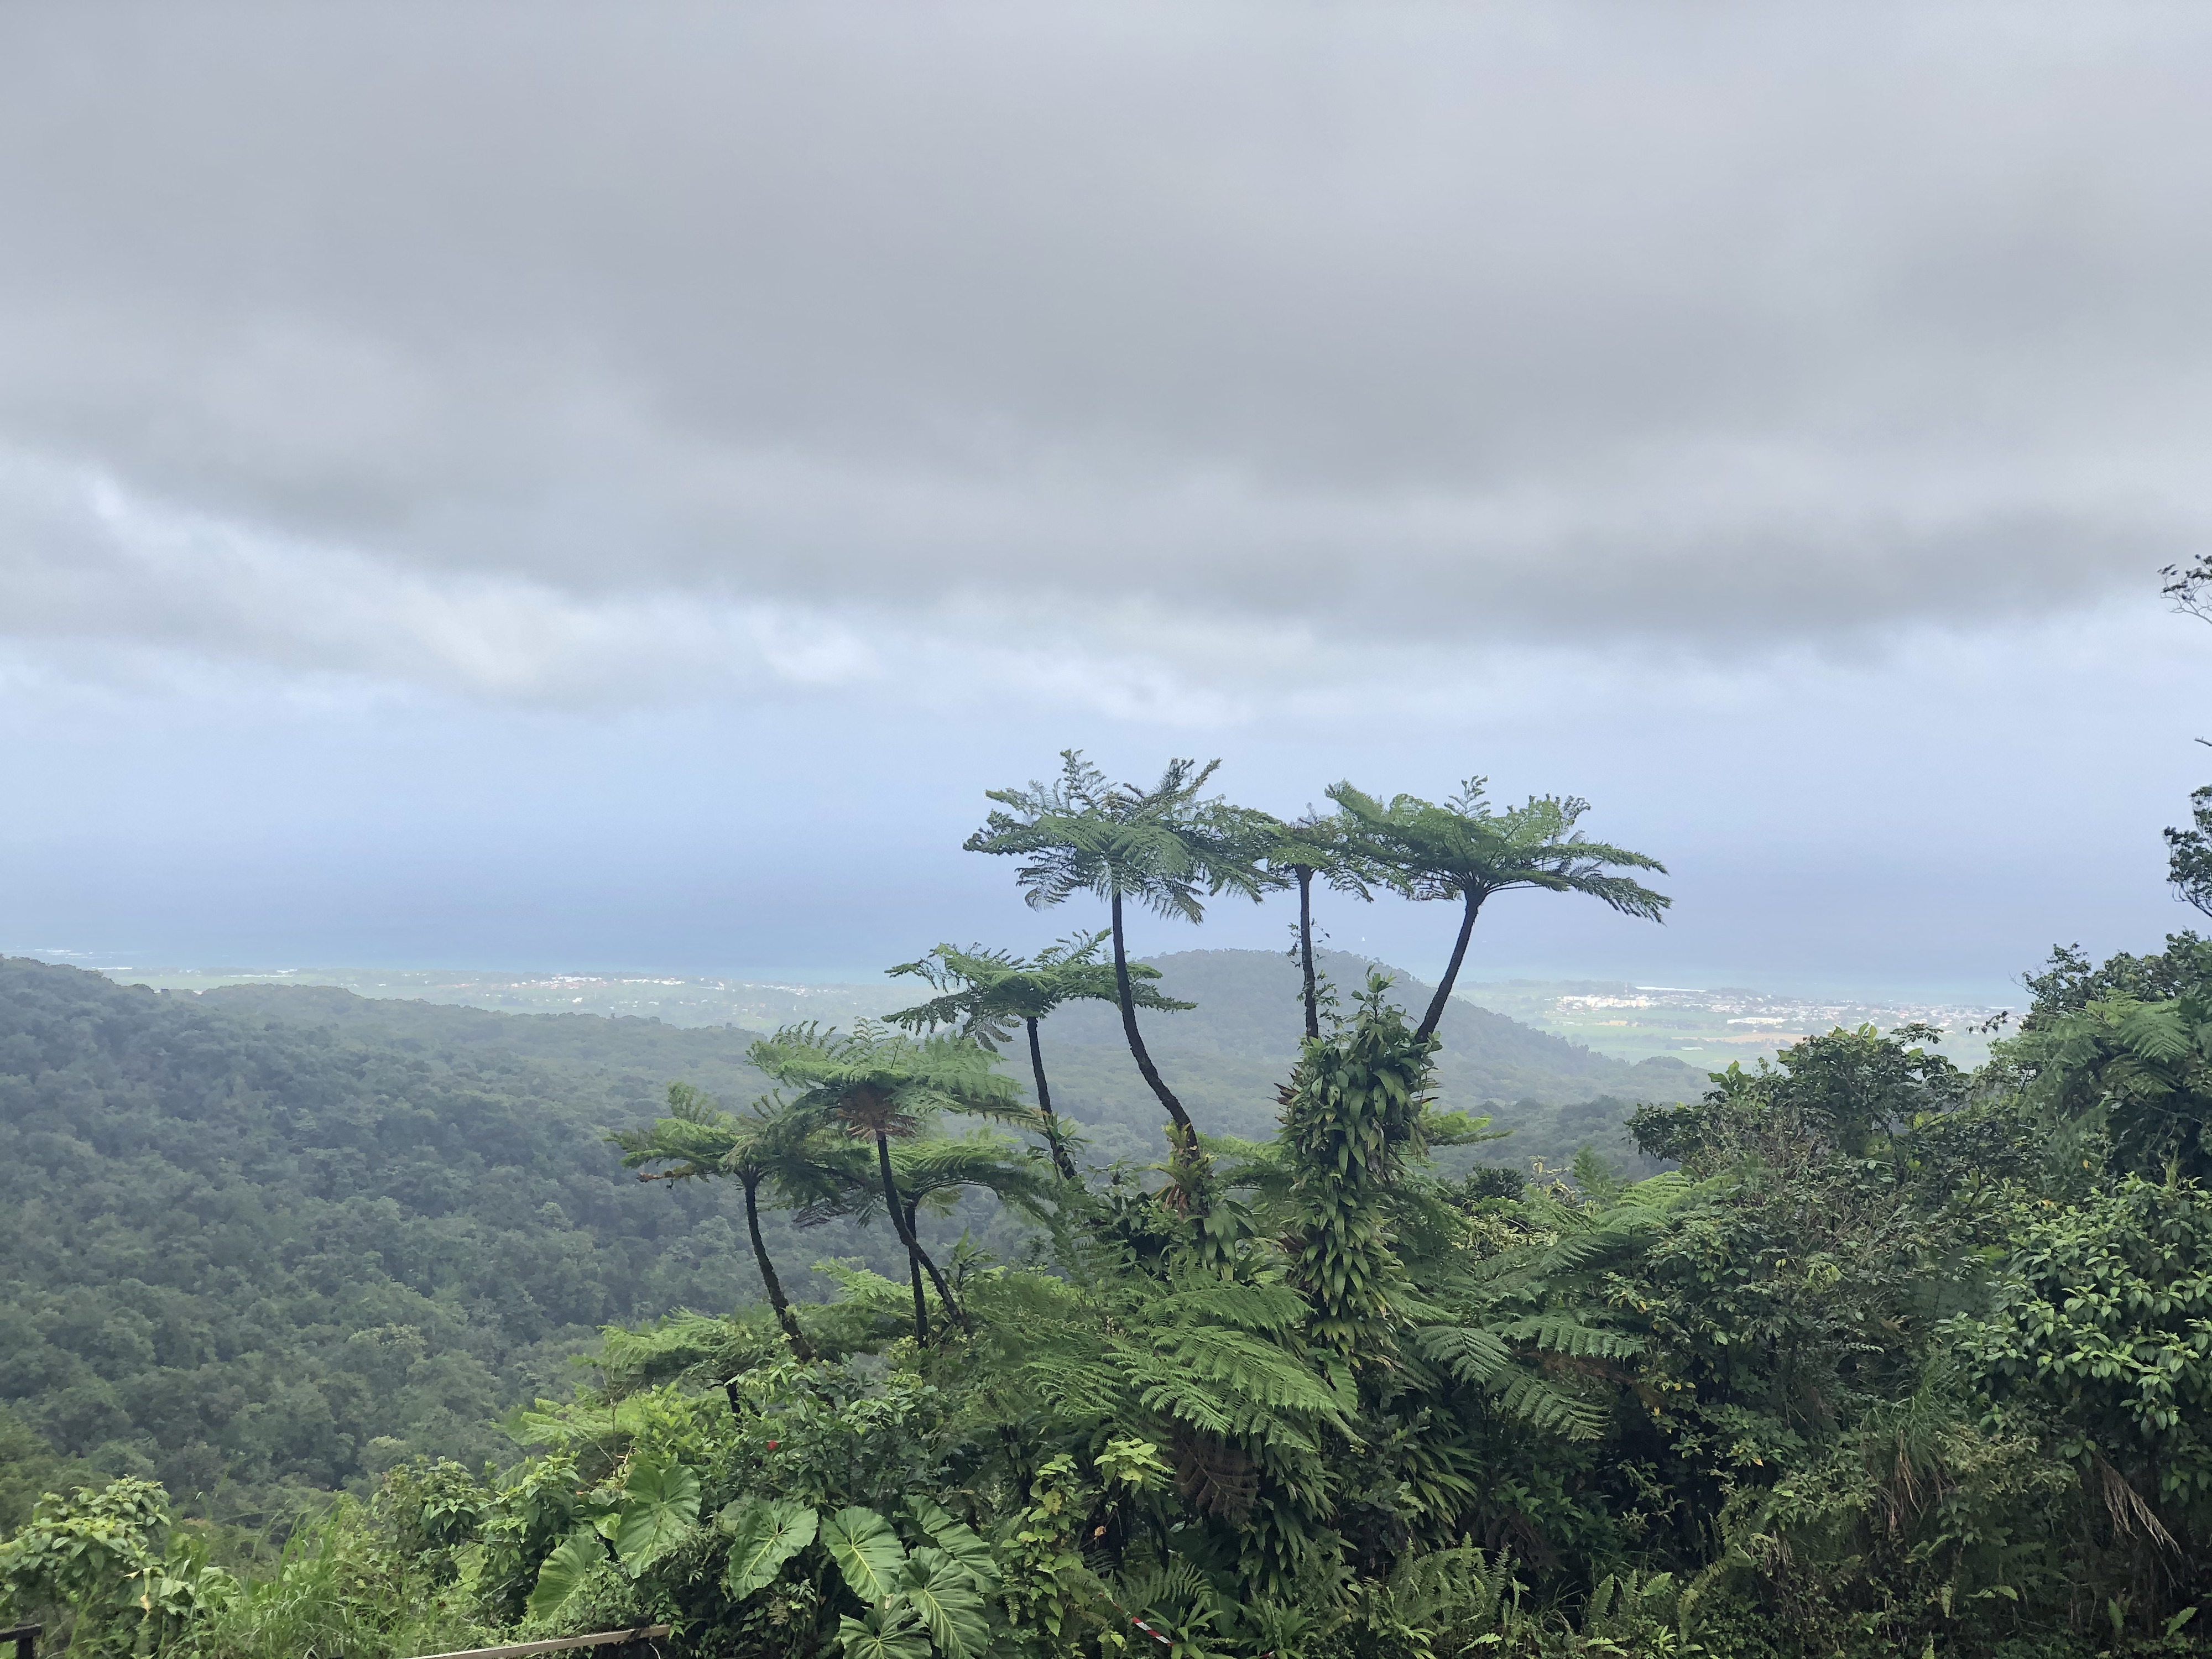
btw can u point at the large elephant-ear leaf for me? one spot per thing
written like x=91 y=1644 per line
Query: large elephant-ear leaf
x=867 y=1551
x=764 y=1535
x=883 y=1634
x=660 y=1504
x=927 y=1513
x=959 y=1542
x=563 y=1573
x=944 y=1594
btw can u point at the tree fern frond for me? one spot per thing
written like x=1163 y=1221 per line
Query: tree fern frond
x=1172 y=1391
x=2154 y=1031
x=1075 y=1388
x=1472 y=1355
x=1578 y=1252
x=1537 y=1402
x=1251 y=1367
x=1562 y=1333
x=1270 y=1308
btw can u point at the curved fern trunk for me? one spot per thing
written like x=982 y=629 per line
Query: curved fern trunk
x=914 y=1270
x=1437 y=1003
x=799 y=1348
x=906 y=1234
x=1184 y=1126
x=1060 y=1156
x=1305 y=949
x=924 y=1262
x=903 y=1223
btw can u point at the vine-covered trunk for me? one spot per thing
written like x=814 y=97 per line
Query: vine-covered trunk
x=1305 y=949
x=1059 y=1154
x=800 y=1349
x=1351 y=1109
x=1184 y=1126
x=1437 y=1003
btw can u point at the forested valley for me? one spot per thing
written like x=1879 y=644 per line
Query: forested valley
x=1096 y=1304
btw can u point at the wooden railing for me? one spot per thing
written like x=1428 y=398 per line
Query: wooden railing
x=26 y=1638
x=515 y=1650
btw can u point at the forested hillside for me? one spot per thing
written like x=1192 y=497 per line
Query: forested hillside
x=1230 y=1049
x=270 y=1239
x=244 y=1250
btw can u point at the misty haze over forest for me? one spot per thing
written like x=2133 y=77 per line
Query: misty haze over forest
x=586 y=525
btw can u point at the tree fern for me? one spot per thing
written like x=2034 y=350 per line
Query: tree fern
x=1166 y=848
x=769 y=1145
x=877 y=1084
x=1464 y=849
x=986 y=994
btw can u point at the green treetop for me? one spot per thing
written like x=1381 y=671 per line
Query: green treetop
x=982 y=994
x=1162 y=847
x=769 y=1145
x=1464 y=849
x=879 y=1085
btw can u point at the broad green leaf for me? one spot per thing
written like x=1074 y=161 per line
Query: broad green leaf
x=564 y=1571
x=927 y=1513
x=660 y=1503
x=944 y=1592
x=469 y=1563
x=867 y=1551
x=957 y=1539
x=763 y=1536
x=892 y=1634
x=1134 y=1463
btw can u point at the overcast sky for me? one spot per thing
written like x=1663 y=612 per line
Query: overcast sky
x=551 y=486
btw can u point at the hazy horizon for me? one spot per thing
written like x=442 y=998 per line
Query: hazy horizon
x=2004 y=994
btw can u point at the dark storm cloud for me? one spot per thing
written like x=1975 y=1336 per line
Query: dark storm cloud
x=1548 y=322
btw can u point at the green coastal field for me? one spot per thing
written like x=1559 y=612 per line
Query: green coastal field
x=1708 y=1029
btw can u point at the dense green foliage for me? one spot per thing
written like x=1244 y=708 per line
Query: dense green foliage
x=1893 y=1358
x=244 y=1256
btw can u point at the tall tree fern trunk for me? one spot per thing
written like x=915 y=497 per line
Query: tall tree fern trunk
x=1059 y=1156
x=928 y=1264
x=800 y=1349
x=1184 y=1126
x=906 y=1234
x=1305 y=949
x=913 y=1275
x=1437 y=1003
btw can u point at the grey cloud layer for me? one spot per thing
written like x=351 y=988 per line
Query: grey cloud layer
x=1538 y=321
